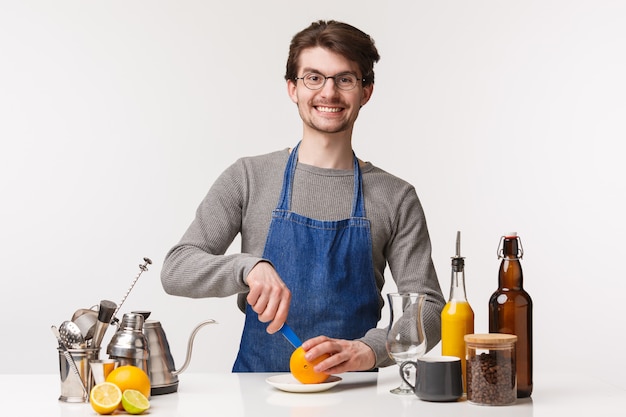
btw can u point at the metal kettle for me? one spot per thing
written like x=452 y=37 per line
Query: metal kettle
x=162 y=371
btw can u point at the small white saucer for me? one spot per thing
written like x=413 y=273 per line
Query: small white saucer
x=287 y=382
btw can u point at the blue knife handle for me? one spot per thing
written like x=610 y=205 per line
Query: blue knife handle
x=290 y=335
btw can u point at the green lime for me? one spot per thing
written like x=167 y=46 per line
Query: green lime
x=134 y=402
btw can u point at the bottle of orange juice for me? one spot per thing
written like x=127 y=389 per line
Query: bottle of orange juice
x=457 y=317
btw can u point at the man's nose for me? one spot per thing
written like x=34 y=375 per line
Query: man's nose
x=329 y=87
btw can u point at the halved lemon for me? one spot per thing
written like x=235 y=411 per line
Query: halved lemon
x=134 y=402
x=105 y=397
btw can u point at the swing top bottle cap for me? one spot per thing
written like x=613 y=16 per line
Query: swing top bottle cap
x=511 y=234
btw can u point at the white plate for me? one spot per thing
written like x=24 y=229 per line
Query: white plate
x=286 y=382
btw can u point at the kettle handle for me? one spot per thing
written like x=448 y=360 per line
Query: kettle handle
x=190 y=345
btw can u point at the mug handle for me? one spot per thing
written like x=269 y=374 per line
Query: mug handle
x=404 y=374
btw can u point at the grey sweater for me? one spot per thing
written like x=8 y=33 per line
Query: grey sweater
x=241 y=201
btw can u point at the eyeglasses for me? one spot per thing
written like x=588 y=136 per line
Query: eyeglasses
x=345 y=81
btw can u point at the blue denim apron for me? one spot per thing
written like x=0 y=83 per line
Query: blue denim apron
x=327 y=266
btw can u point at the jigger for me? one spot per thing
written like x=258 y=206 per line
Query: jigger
x=101 y=368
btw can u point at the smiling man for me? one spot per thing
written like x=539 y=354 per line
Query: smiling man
x=329 y=104
x=318 y=226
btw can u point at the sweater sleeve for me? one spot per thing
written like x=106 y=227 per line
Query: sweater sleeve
x=409 y=258
x=196 y=267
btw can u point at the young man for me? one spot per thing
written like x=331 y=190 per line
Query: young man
x=318 y=226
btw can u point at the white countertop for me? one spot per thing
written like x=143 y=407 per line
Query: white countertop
x=366 y=394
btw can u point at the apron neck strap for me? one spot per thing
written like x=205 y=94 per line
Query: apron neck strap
x=284 y=203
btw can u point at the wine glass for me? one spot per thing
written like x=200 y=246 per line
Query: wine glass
x=406 y=339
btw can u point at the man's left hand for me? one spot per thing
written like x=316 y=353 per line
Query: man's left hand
x=345 y=355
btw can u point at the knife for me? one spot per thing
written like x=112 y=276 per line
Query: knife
x=290 y=335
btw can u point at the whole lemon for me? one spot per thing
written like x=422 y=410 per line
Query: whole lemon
x=130 y=377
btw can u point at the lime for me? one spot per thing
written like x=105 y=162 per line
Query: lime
x=134 y=402
x=105 y=398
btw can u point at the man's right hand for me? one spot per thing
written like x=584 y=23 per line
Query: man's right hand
x=269 y=297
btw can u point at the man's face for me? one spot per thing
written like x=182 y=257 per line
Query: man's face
x=329 y=109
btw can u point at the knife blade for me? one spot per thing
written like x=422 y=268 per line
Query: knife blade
x=290 y=335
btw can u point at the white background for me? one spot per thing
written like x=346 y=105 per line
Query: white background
x=116 y=117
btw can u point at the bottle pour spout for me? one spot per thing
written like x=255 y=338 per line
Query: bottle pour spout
x=458 y=262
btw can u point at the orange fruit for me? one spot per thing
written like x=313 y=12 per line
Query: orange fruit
x=105 y=398
x=130 y=377
x=303 y=370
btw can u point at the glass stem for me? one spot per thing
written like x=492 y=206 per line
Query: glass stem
x=407 y=375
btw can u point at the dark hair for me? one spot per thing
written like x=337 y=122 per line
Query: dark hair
x=338 y=37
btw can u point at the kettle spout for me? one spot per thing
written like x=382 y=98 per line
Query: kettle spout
x=190 y=345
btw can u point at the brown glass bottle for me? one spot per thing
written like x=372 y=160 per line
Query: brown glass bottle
x=511 y=310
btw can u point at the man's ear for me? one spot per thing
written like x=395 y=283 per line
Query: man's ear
x=368 y=90
x=292 y=91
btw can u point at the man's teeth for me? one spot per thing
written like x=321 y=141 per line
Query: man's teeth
x=329 y=109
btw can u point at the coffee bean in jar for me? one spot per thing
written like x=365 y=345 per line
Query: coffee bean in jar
x=491 y=378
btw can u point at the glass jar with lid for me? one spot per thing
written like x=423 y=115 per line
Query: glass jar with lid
x=491 y=378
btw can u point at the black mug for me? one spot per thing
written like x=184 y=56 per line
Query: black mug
x=437 y=378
